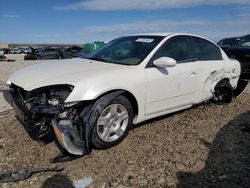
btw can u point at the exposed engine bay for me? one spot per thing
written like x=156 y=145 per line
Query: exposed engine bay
x=40 y=108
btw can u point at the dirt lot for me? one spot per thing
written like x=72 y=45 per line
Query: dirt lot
x=206 y=146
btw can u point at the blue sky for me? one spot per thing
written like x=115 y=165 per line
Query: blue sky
x=74 y=21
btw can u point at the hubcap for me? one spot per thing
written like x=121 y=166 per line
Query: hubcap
x=112 y=122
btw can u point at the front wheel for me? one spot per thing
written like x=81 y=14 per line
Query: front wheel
x=112 y=123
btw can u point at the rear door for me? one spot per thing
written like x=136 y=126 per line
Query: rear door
x=209 y=64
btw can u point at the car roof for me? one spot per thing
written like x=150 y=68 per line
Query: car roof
x=165 y=34
x=153 y=34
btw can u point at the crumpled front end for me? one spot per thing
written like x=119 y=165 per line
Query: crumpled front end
x=44 y=115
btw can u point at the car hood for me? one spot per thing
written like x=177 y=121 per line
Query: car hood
x=59 y=72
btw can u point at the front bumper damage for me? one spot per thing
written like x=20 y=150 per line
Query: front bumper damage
x=68 y=137
x=66 y=134
x=22 y=114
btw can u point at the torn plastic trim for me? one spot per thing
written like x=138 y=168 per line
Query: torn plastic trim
x=70 y=104
x=68 y=137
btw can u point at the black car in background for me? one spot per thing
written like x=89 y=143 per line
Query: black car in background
x=229 y=42
x=71 y=52
x=5 y=50
x=42 y=54
x=239 y=48
x=241 y=52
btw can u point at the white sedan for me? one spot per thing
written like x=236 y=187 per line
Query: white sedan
x=92 y=102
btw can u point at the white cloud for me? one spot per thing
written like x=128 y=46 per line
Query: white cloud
x=10 y=16
x=48 y=35
x=143 y=26
x=110 y=5
x=213 y=30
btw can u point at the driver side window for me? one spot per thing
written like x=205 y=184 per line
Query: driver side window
x=176 y=48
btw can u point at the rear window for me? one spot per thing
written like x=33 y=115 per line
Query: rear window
x=204 y=50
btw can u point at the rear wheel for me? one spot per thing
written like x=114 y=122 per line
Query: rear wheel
x=223 y=92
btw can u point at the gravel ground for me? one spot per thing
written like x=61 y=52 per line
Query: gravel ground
x=205 y=146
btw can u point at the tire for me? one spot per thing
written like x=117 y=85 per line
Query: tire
x=110 y=122
x=223 y=92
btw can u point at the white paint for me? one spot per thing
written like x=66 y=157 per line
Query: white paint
x=158 y=91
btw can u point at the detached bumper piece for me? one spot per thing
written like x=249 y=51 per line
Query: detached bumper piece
x=69 y=138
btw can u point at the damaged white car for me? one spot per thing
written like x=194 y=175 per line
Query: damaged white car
x=92 y=102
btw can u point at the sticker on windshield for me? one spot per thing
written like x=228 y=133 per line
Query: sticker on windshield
x=144 y=40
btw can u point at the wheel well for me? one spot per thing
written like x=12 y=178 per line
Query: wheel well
x=130 y=97
x=223 y=91
x=223 y=82
x=132 y=100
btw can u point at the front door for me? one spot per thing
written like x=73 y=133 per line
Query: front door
x=171 y=88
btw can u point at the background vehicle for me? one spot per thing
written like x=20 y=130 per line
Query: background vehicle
x=241 y=52
x=15 y=51
x=41 y=54
x=26 y=50
x=229 y=42
x=1 y=55
x=5 y=50
x=71 y=52
x=93 y=102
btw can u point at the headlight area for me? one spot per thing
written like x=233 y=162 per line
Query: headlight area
x=37 y=108
x=47 y=100
x=45 y=116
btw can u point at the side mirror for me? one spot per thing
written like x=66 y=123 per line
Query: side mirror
x=164 y=62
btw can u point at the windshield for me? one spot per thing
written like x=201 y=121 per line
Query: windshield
x=130 y=50
x=246 y=40
x=230 y=42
